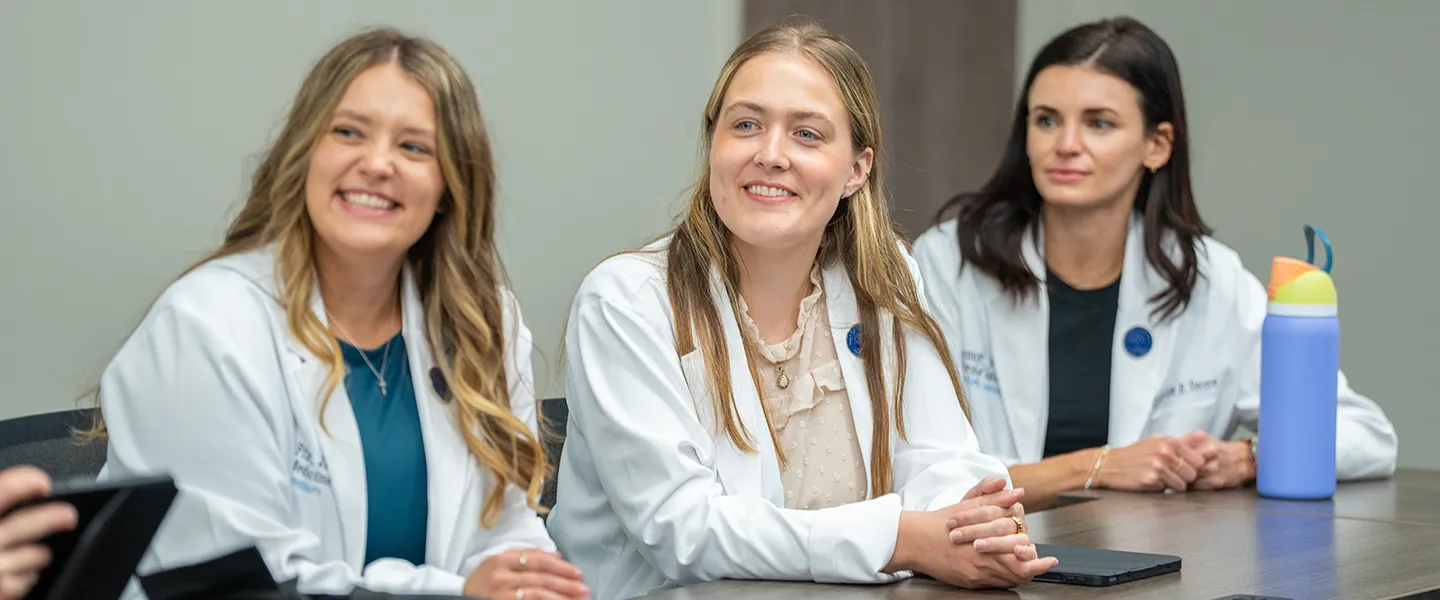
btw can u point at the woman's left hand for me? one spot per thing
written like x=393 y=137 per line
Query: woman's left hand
x=1230 y=464
x=526 y=575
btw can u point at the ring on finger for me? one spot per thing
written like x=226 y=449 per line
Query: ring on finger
x=523 y=560
x=520 y=592
x=1019 y=525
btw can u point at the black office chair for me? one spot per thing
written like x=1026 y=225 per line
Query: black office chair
x=554 y=414
x=48 y=441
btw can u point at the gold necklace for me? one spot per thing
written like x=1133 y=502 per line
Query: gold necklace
x=783 y=381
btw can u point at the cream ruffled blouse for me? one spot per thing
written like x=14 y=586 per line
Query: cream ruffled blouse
x=811 y=415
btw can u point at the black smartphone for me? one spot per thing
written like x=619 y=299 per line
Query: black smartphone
x=1101 y=567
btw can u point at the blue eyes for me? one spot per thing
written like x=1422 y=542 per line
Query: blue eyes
x=805 y=134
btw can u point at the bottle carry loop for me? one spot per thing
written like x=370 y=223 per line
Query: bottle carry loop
x=1311 y=232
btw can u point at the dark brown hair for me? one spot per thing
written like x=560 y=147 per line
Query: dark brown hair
x=992 y=224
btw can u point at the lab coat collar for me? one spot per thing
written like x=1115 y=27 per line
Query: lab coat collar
x=1136 y=378
x=446 y=456
x=759 y=473
x=1018 y=340
x=844 y=315
x=1019 y=334
x=340 y=450
x=741 y=473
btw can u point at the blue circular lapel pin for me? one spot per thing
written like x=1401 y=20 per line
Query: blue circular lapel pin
x=1137 y=341
x=852 y=340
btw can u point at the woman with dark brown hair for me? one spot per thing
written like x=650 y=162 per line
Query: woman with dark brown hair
x=1104 y=338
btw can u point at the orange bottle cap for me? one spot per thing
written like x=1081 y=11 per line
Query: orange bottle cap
x=1284 y=270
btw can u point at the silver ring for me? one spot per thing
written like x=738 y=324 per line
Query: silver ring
x=522 y=566
x=520 y=592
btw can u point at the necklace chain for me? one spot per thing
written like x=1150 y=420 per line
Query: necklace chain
x=384 y=361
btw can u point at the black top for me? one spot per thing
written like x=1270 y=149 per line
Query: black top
x=1082 y=331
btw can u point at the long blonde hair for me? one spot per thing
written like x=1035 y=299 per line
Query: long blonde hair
x=455 y=263
x=861 y=235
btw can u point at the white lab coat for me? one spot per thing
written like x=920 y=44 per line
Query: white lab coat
x=213 y=389
x=650 y=495
x=1203 y=371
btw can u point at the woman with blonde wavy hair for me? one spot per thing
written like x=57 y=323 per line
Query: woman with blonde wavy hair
x=345 y=382
x=761 y=394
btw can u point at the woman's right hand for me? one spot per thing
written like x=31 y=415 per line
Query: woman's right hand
x=1002 y=557
x=1152 y=465
x=21 y=557
x=1005 y=562
x=529 y=574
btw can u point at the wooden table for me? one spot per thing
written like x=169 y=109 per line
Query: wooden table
x=1375 y=539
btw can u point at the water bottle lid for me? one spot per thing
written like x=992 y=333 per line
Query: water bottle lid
x=1297 y=282
x=1294 y=281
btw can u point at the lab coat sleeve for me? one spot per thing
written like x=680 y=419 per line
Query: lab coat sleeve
x=939 y=460
x=626 y=390
x=1365 y=441
x=519 y=527
x=188 y=398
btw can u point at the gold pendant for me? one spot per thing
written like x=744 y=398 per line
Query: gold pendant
x=783 y=380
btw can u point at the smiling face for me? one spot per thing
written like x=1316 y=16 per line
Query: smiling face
x=781 y=156
x=1087 y=139
x=373 y=184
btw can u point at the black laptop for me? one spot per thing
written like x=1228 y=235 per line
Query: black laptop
x=1096 y=567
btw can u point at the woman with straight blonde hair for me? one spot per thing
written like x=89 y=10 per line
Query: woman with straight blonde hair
x=345 y=382
x=760 y=394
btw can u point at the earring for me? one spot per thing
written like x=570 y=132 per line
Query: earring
x=1153 y=170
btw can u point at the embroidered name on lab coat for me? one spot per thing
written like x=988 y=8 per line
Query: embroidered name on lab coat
x=977 y=372
x=1192 y=386
x=305 y=474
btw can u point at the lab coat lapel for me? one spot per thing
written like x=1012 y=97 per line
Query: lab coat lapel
x=844 y=315
x=741 y=472
x=340 y=452
x=1020 y=342
x=1137 y=372
x=447 y=459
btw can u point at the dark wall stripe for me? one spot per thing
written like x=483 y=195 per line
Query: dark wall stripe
x=945 y=69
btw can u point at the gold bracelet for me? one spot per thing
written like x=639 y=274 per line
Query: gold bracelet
x=1095 y=470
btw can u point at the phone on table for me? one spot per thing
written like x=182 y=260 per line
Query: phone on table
x=1099 y=567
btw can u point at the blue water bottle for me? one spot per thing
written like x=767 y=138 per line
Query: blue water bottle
x=1299 y=374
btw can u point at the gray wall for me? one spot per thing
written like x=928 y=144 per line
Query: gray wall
x=1316 y=112
x=127 y=131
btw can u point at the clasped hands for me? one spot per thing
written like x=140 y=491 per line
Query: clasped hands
x=1194 y=461
x=980 y=542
